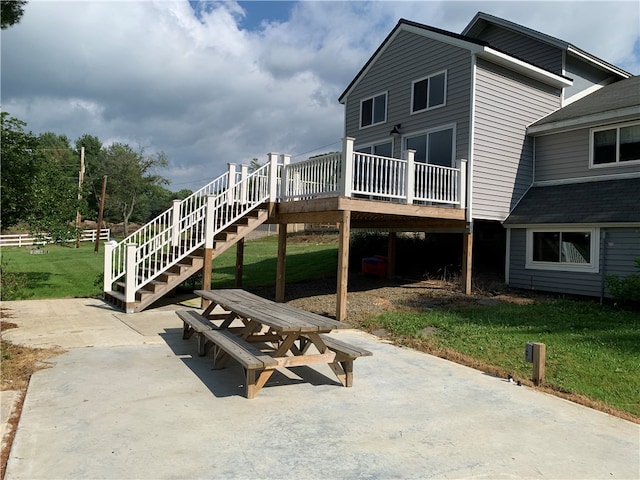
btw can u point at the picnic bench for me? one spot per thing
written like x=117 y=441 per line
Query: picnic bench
x=263 y=336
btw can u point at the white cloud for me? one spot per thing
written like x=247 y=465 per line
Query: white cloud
x=208 y=92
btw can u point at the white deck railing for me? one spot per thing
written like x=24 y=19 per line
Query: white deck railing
x=193 y=222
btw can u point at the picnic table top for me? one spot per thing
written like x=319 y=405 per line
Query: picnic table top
x=278 y=316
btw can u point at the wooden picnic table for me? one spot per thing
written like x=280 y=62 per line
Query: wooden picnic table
x=271 y=335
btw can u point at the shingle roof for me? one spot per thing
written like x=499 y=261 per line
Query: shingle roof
x=617 y=96
x=610 y=201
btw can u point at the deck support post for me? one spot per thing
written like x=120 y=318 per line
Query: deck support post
x=467 y=257
x=343 y=266
x=391 y=255
x=282 y=262
x=239 y=262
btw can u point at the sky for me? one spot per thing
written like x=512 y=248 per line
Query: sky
x=211 y=83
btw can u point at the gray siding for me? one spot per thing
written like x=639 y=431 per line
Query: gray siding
x=523 y=47
x=565 y=155
x=584 y=76
x=506 y=103
x=407 y=58
x=617 y=251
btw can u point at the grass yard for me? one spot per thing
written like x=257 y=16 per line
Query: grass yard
x=592 y=350
x=67 y=272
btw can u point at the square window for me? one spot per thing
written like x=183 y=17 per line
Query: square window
x=428 y=92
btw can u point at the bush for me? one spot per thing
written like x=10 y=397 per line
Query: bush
x=625 y=290
x=12 y=285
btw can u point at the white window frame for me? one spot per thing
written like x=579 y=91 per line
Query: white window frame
x=617 y=163
x=386 y=108
x=428 y=77
x=592 y=267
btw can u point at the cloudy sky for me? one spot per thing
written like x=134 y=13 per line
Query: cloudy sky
x=216 y=82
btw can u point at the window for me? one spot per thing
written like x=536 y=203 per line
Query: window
x=435 y=147
x=566 y=249
x=373 y=110
x=382 y=149
x=612 y=146
x=429 y=92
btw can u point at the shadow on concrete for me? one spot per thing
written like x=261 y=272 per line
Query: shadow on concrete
x=229 y=381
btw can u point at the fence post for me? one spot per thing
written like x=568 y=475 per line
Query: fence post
x=175 y=224
x=284 y=177
x=108 y=265
x=410 y=180
x=346 y=174
x=273 y=177
x=131 y=277
x=462 y=182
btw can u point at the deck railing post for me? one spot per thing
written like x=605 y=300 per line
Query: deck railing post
x=209 y=222
x=284 y=180
x=273 y=177
x=346 y=173
x=108 y=265
x=244 y=193
x=231 y=183
x=462 y=182
x=131 y=277
x=410 y=179
x=175 y=224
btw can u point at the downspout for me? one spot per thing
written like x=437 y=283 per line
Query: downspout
x=472 y=121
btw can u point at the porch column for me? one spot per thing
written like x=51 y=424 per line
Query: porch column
x=282 y=262
x=391 y=255
x=346 y=174
x=343 y=266
x=467 y=257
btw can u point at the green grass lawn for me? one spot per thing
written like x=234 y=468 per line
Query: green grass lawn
x=592 y=350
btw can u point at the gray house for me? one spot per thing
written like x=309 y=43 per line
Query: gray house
x=550 y=133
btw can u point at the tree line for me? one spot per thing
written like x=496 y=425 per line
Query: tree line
x=40 y=181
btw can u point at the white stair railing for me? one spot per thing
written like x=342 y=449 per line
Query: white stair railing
x=180 y=230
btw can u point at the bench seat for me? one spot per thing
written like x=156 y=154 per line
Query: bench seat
x=195 y=323
x=228 y=345
x=346 y=353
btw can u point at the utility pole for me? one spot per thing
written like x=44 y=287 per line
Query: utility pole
x=102 y=195
x=80 y=181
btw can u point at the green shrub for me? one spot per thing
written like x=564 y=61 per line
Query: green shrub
x=625 y=290
x=12 y=285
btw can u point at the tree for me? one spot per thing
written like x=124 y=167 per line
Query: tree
x=54 y=202
x=93 y=173
x=130 y=175
x=11 y=12
x=18 y=169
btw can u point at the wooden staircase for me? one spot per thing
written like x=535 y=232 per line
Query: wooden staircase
x=185 y=267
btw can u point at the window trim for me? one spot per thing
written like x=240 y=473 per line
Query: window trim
x=413 y=84
x=386 y=108
x=617 y=128
x=592 y=267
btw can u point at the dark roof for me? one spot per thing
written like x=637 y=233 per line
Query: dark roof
x=618 y=95
x=400 y=23
x=610 y=201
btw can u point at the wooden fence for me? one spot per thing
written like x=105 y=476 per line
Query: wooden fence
x=27 y=239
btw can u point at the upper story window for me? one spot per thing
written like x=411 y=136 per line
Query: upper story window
x=381 y=149
x=429 y=92
x=615 y=145
x=373 y=110
x=435 y=147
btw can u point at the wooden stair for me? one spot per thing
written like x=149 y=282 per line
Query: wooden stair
x=185 y=267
